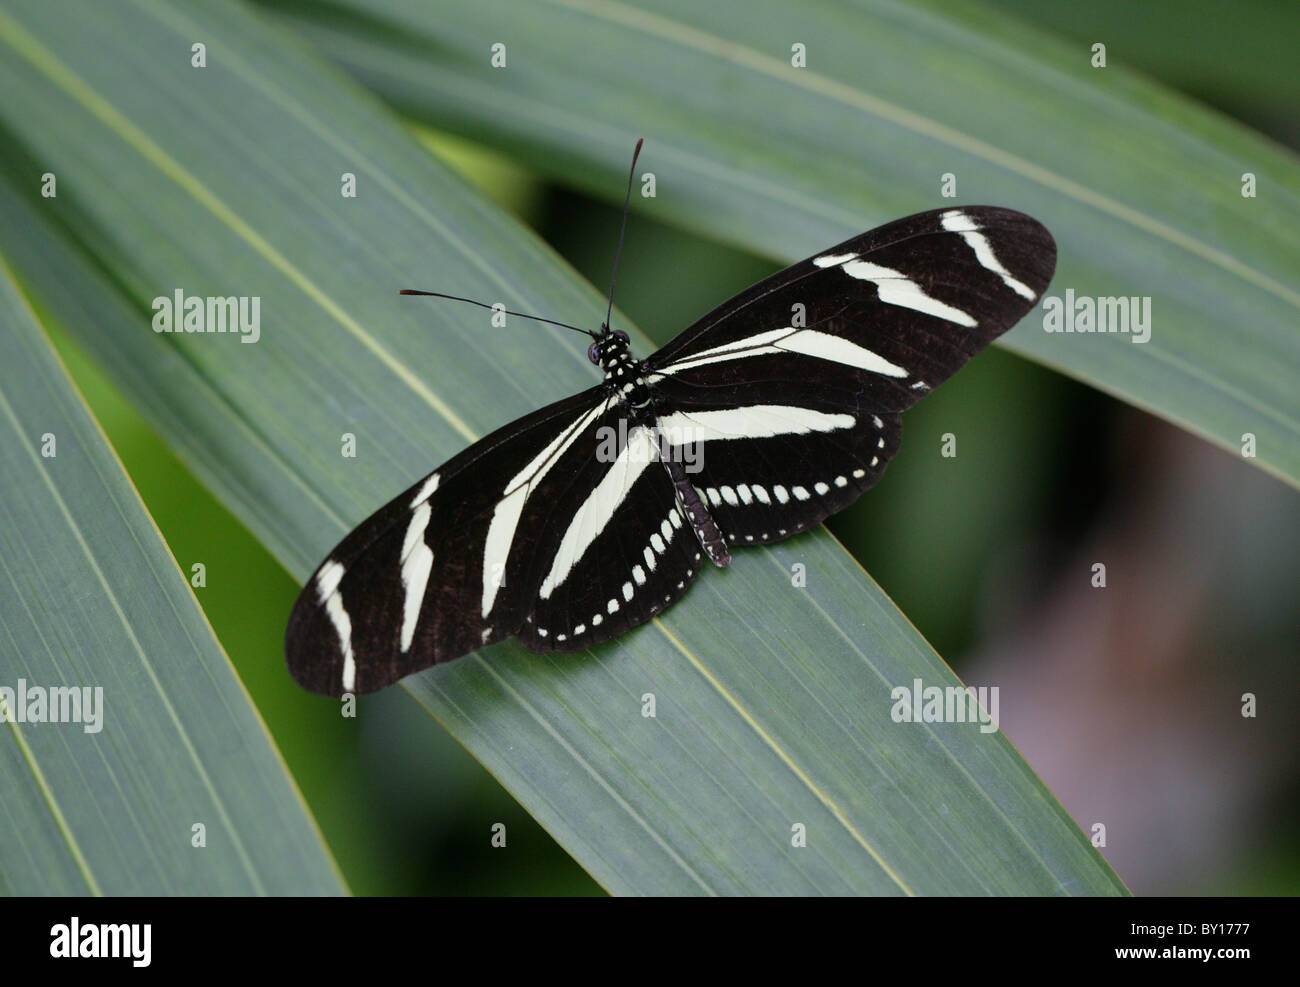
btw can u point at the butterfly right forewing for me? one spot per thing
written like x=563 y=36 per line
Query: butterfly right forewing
x=882 y=318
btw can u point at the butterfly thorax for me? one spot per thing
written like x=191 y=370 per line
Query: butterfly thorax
x=623 y=373
x=626 y=377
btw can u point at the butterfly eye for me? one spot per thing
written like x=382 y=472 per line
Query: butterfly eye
x=620 y=334
x=593 y=353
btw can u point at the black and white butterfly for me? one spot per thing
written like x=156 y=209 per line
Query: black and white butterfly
x=790 y=393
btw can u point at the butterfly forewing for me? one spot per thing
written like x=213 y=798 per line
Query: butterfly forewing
x=441 y=569
x=778 y=409
x=891 y=313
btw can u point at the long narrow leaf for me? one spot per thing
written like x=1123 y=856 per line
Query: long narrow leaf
x=164 y=780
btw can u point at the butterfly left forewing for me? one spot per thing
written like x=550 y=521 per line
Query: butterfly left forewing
x=443 y=568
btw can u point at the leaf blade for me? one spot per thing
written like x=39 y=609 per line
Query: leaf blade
x=70 y=517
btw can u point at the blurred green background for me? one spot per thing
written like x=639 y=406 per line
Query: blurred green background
x=969 y=549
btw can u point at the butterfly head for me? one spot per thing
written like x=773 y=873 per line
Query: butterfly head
x=609 y=349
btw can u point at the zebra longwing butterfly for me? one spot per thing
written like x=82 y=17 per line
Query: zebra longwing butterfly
x=586 y=518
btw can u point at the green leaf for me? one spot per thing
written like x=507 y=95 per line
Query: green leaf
x=95 y=608
x=1141 y=187
x=773 y=701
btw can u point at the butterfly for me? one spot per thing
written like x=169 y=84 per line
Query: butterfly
x=591 y=516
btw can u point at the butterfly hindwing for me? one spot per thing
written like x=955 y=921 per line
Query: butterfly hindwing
x=620 y=550
x=768 y=488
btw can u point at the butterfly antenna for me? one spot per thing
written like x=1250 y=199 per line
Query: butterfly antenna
x=520 y=315
x=627 y=200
